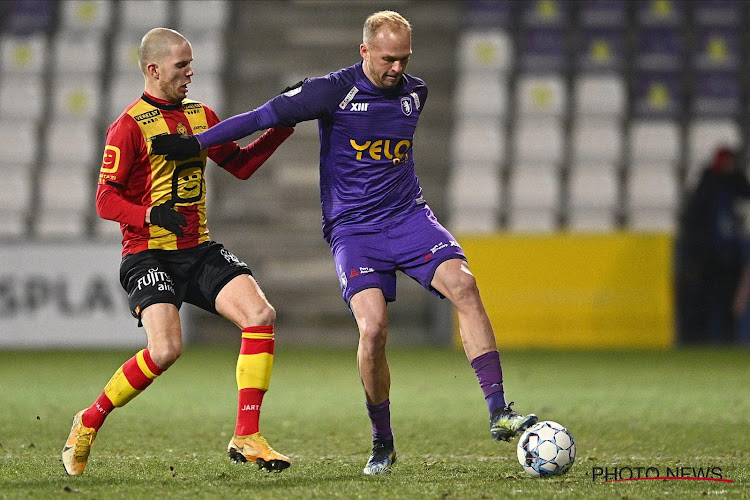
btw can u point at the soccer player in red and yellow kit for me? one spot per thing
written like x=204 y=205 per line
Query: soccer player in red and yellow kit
x=168 y=257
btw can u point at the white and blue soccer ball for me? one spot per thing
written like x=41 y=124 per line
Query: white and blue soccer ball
x=546 y=449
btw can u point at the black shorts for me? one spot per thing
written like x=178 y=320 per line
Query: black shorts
x=193 y=275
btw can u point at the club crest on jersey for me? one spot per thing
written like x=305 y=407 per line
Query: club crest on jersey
x=181 y=129
x=406 y=105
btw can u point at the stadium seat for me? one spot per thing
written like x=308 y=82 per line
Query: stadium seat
x=23 y=17
x=139 y=16
x=474 y=195
x=550 y=13
x=658 y=95
x=539 y=141
x=655 y=142
x=659 y=49
x=75 y=97
x=542 y=50
x=717 y=49
x=125 y=53
x=600 y=95
x=72 y=142
x=68 y=48
x=600 y=50
x=652 y=194
x=660 y=13
x=85 y=16
x=21 y=97
x=534 y=195
x=481 y=94
x=206 y=15
x=65 y=199
x=485 y=50
x=541 y=96
x=489 y=15
x=716 y=94
x=718 y=13
x=593 y=197
x=608 y=13
x=15 y=198
x=596 y=141
x=123 y=91
x=478 y=140
x=23 y=54
x=20 y=145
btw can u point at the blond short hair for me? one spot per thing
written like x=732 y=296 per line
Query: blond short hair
x=156 y=43
x=385 y=18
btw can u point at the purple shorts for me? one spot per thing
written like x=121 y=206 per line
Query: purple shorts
x=416 y=245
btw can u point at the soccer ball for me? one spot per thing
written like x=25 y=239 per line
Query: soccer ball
x=546 y=449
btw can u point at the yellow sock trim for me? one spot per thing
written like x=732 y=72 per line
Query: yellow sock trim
x=251 y=335
x=143 y=366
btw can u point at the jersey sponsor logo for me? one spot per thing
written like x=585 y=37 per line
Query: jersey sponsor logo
x=144 y=117
x=414 y=96
x=111 y=160
x=359 y=106
x=352 y=92
x=191 y=105
x=406 y=105
x=376 y=150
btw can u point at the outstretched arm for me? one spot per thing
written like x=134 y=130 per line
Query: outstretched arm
x=182 y=147
x=243 y=162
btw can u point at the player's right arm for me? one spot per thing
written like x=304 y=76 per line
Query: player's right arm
x=309 y=100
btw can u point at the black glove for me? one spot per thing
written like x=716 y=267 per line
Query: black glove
x=166 y=216
x=175 y=146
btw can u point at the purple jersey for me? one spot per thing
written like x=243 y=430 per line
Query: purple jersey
x=367 y=174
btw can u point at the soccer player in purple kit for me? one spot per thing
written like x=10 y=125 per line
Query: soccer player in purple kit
x=374 y=216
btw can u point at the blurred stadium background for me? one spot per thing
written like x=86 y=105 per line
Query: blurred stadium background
x=559 y=140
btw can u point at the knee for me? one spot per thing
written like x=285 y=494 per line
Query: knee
x=164 y=353
x=373 y=335
x=464 y=288
x=263 y=315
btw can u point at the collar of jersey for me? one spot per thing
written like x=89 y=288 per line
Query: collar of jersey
x=167 y=106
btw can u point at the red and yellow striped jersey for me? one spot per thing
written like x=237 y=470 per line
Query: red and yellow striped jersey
x=131 y=179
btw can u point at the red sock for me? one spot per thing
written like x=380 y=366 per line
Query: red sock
x=254 y=366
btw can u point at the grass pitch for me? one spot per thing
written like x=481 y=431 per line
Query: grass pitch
x=682 y=409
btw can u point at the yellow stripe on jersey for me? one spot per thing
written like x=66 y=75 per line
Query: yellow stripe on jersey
x=254 y=371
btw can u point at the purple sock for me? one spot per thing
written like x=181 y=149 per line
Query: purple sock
x=380 y=416
x=490 y=375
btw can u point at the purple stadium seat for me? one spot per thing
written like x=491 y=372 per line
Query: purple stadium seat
x=716 y=94
x=488 y=13
x=660 y=12
x=603 y=13
x=657 y=95
x=23 y=17
x=659 y=49
x=600 y=49
x=717 y=12
x=717 y=49
x=548 y=13
x=542 y=50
